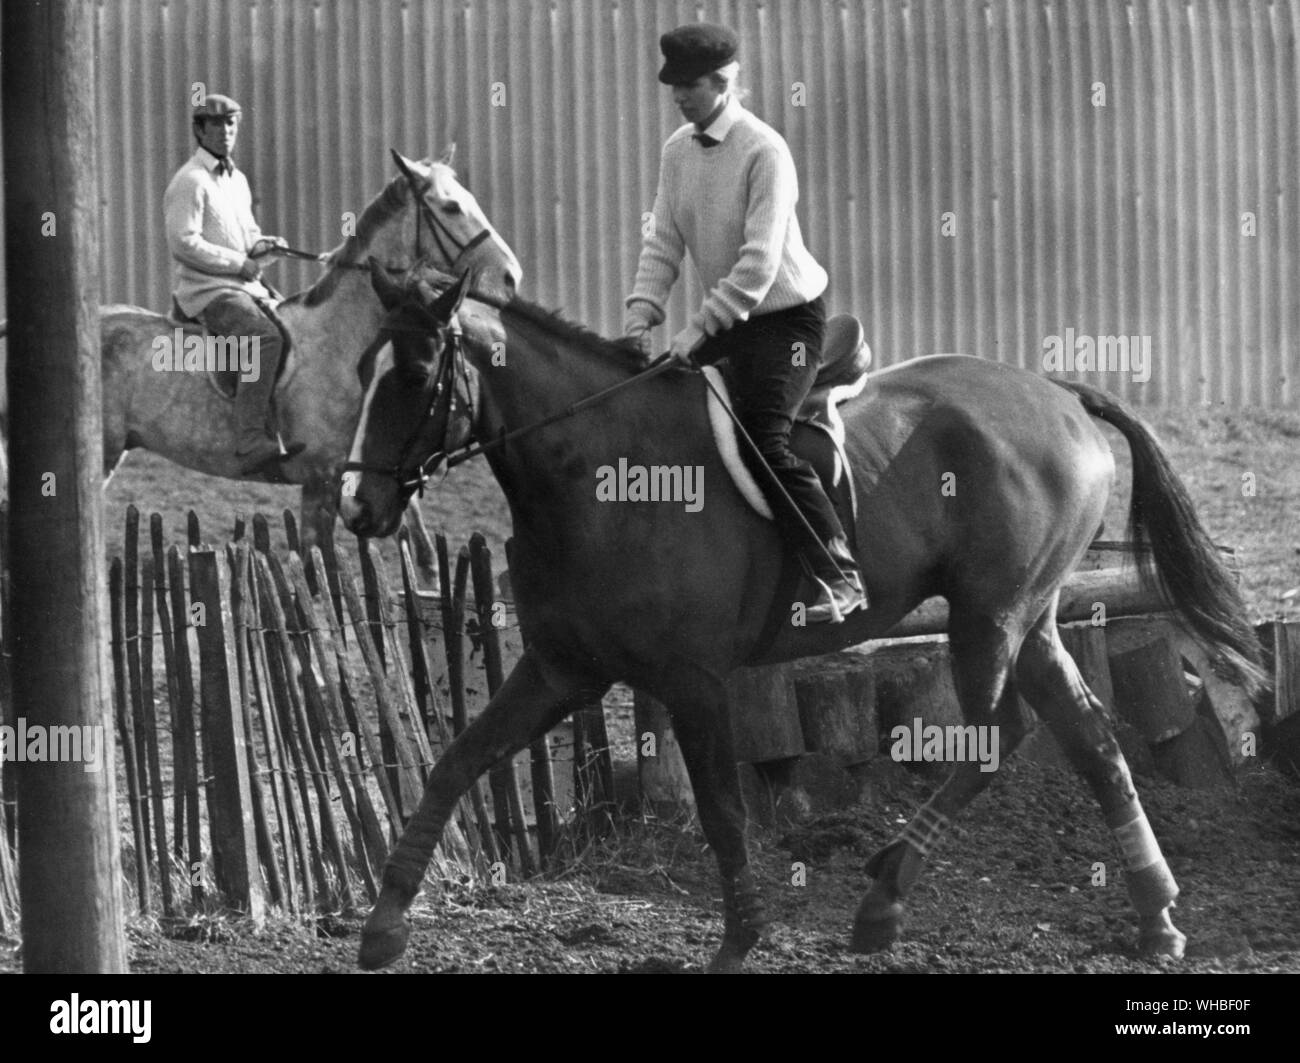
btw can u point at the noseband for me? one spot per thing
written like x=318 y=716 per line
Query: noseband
x=438 y=229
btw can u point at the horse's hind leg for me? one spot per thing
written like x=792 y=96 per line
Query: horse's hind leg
x=698 y=708
x=1050 y=682
x=982 y=651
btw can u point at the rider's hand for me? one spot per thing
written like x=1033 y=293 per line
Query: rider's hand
x=686 y=342
x=250 y=270
x=267 y=244
x=641 y=338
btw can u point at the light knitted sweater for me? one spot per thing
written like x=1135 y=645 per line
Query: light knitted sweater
x=732 y=206
x=210 y=230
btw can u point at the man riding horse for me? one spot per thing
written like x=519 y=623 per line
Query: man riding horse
x=215 y=241
x=727 y=194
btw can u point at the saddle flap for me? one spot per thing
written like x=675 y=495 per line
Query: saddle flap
x=815 y=442
x=226 y=381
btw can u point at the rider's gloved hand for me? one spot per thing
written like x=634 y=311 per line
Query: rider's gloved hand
x=267 y=244
x=686 y=342
x=250 y=270
x=641 y=337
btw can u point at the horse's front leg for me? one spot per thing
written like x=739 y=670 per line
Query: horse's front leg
x=533 y=699
x=697 y=704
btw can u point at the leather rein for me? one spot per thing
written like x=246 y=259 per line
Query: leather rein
x=412 y=475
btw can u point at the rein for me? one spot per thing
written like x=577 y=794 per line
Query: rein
x=463 y=454
x=452 y=355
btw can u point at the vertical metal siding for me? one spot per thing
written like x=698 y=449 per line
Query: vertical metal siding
x=1122 y=220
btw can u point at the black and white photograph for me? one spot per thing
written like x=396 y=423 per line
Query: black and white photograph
x=652 y=487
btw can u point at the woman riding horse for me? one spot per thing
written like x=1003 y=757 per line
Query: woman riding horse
x=727 y=193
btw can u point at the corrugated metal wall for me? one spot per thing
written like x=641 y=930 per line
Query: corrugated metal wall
x=1122 y=219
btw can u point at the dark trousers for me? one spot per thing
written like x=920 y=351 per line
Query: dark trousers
x=236 y=313
x=775 y=358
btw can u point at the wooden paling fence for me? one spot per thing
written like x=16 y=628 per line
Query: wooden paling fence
x=277 y=719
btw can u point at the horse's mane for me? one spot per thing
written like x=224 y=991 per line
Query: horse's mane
x=379 y=211
x=554 y=324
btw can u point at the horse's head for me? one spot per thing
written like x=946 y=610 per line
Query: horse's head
x=452 y=232
x=420 y=401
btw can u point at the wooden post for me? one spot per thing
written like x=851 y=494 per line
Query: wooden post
x=426 y=694
x=404 y=775
x=230 y=809
x=593 y=772
x=151 y=758
x=162 y=608
x=504 y=773
x=284 y=690
x=134 y=672
x=127 y=733
x=185 y=742
x=237 y=562
x=453 y=626
x=69 y=872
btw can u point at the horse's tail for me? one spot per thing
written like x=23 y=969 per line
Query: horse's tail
x=1182 y=562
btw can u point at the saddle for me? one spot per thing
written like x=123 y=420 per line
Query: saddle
x=818 y=434
x=226 y=381
x=817 y=437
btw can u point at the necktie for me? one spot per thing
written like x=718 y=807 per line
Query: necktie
x=225 y=166
x=706 y=140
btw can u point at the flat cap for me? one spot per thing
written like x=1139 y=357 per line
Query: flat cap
x=696 y=49
x=215 y=106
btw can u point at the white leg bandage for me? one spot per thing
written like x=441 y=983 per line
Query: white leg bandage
x=925 y=829
x=1138 y=843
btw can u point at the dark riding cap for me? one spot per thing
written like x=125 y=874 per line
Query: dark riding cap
x=696 y=49
x=215 y=106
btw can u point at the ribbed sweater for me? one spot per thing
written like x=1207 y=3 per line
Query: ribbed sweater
x=210 y=230
x=732 y=206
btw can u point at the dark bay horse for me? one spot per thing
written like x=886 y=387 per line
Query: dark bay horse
x=977 y=481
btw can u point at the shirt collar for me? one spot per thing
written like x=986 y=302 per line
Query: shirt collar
x=210 y=162
x=721 y=126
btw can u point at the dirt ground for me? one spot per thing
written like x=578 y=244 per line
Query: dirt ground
x=1012 y=888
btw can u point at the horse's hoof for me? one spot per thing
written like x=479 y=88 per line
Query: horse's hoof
x=1167 y=943
x=878 y=930
x=729 y=960
x=381 y=946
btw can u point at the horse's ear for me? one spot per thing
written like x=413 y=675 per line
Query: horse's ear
x=444 y=309
x=404 y=165
x=448 y=153
x=390 y=293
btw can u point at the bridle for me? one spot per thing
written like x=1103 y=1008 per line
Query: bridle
x=439 y=398
x=413 y=473
x=453 y=251
x=438 y=229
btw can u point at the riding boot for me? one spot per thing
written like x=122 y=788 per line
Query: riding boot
x=256 y=448
x=839 y=581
